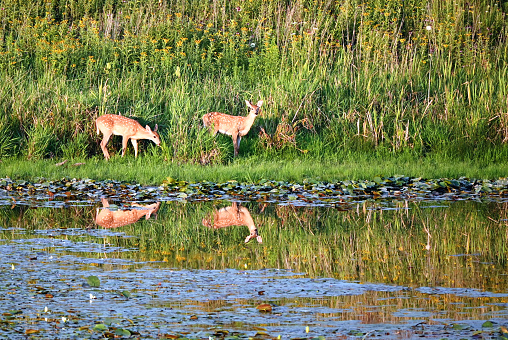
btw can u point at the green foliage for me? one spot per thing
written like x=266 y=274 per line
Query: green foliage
x=373 y=76
x=40 y=137
x=9 y=141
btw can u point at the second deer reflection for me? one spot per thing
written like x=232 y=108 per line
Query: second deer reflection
x=235 y=215
x=108 y=218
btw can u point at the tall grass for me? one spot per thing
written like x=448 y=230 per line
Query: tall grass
x=389 y=77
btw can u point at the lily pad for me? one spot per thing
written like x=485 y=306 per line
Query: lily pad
x=100 y=327
x=93 y=281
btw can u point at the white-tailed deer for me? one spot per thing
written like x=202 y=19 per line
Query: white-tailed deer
x=233 y=216
x=235 y=126
x=127 y=128
x=108 y=218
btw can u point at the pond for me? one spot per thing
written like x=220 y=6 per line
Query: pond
x=118 y=260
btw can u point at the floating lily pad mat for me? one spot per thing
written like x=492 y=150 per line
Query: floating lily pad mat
x=87 y=191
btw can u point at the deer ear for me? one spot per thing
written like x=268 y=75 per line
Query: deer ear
x=259 y=103
x=156 y=127
x=260 y=239
x=248 y=103
x=148 y=128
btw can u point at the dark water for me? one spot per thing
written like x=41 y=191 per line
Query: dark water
x=354 y=269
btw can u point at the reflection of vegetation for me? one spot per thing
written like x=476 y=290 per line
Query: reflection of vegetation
x=461 y=245
x=372 y=308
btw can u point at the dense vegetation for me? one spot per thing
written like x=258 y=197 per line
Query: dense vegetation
x=338 y=78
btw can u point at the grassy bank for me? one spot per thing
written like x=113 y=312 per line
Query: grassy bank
x=148 y=171
x=342 y=83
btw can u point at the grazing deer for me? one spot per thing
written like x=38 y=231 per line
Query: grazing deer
x=235 y=126
x=108 y=218
x=127 y=128
x=233 y=216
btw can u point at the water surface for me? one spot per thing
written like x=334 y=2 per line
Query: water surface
x=392 y=268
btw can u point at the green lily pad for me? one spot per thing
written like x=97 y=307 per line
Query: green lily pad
x=100 y=327
x=93 y=281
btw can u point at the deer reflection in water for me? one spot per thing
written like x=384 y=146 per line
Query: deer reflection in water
x=234 y=215
x=108 y=218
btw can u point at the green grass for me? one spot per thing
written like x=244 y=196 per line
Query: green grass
x=340 y=81
x=147 y=171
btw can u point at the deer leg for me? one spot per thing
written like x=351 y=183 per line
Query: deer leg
x=105 y=203
x=104 y=141
x=235 y=143
x=135 y=145
x=125 y=140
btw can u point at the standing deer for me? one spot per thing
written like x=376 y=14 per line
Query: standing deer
x=235 y=126
x=108 y=218
x=127 y=128
x=233 y=216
